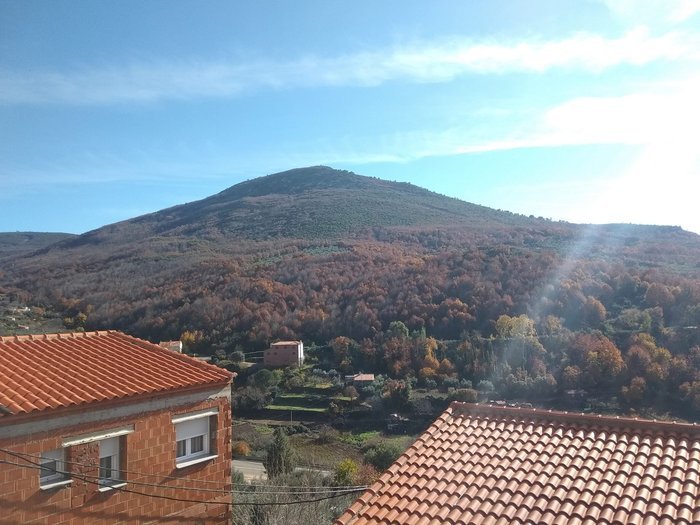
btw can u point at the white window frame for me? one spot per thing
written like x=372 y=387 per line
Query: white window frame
x=58 y=478
x=110 y=448
x=104 y=436
x=193 y=430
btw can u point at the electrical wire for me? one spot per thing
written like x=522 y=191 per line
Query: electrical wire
x=187 y=500
x=259 y=489
x=24 y=455
x=94 y=465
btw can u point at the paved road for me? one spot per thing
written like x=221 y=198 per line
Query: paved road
x=252 y=470
x=255 y=471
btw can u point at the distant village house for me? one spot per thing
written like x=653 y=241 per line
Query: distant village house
x=284 y=353
x=359 y=380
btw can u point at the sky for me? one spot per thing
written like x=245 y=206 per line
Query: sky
x=586 y=111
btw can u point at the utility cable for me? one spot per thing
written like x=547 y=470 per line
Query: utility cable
x=290 y=490
x=187 y=500
x=94 y=465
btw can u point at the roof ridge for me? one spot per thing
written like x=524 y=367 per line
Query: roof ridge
x=53 y=335
x=461 y=408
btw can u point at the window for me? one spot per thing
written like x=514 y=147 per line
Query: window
x=194 y=438
x=110 y=474
x=53 y=467
x=112 y=445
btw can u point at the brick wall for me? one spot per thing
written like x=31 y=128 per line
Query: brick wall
x=149 y=449
x=281 y=355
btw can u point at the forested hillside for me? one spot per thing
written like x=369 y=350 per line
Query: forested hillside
x=531 y=305
x=13 y=244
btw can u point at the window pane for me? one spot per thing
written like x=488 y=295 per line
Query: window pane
x=181 y=448
x=48 y=468
x=51 y=466
x=106 y=471
x=109 y=459
x=197 y=444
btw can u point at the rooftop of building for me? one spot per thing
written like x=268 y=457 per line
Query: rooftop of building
x=51 y=371
x=482 y=464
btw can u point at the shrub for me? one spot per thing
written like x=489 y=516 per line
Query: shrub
x=366 y=475
x=334 y=409
x=485 y=386
x=296 y=428
x=240 y=448
x=466 y=395
x=265 y=379
x=237 y=477
x=382 y=455
x=248 y=399
x=451 y=382
x=465 y=383
x=345 y=473
x=351 y=392
x=327 y=435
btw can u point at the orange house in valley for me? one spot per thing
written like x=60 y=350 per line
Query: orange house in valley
x=105 y=428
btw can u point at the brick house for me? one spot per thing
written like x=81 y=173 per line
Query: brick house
x=479 y=464
x=105 y=428
x=284 y=353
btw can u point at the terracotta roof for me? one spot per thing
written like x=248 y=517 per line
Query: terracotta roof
x=39 y=372
x=481 y=464
x=363 y=377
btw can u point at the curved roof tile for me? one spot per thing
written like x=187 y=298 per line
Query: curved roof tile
x=513 y=465
x=42 y=372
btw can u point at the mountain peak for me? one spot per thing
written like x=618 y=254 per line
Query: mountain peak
x=316 y=202
x=296 y=181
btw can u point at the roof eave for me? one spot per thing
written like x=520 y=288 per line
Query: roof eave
x=104 y=404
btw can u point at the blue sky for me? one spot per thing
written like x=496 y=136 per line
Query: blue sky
x=584 y=110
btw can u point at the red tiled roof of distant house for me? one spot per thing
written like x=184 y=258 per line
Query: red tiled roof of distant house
x=363 y=377
x=481 y=464
x=65 y=370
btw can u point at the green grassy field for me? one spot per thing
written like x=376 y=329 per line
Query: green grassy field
x=300 y=402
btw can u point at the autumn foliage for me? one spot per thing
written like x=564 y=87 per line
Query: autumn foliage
x=388 y=278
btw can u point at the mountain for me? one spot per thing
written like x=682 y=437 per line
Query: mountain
x=20 y=243
x=306 y=203
x=316 y=252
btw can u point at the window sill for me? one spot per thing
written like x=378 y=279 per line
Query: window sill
x=194 y=461
x=56 y=484
x=112 y=486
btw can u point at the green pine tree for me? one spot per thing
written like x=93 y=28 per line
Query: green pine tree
x=280 y=455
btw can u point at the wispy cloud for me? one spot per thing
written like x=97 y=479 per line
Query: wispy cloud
x=652 y=117
x=440 y=61
x=653 y=11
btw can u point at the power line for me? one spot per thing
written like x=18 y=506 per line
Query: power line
x=290 y=490
x=83 y=464
x=187 y=500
